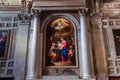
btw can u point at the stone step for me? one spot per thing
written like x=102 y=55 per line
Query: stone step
x=63 y=78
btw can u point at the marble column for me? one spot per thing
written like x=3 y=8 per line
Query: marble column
x=33 y=72
x=99 y=48
x=84 y=63
x=21 y=51
x=40 y=48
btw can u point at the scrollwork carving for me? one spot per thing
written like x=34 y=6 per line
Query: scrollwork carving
x=111 y=70
x=118 y=70
x=61 y=71
x=110 y=63
x=4 y=2
x=117 y=62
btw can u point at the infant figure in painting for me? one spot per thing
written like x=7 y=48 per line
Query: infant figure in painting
x=70 y=53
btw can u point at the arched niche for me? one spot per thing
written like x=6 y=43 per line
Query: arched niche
x=60 y=41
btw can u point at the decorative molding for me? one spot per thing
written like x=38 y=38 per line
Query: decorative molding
x=27 y=12
x=3 y=2
x=111 y=8
x=111 y=5
x=10 y=8
x=114 y=67
x=59 y=3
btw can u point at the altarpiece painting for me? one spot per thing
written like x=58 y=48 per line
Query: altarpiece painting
x=60 y=43
x=4 y=42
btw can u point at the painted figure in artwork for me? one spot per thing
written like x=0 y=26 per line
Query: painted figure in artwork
x=3 y=43
x=70 y=53
x=116 y=34
x=60 y=43
x=63 y=51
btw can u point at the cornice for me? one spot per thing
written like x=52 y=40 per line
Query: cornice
x=10 y=7
x=111 y=5
x=73 y=3
x=111 y=8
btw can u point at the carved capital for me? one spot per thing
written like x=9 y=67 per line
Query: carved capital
x=97 y=19
x=25 y=15
x=35 y=12
x=28 y=7
x=100 y=15
x=82 y=11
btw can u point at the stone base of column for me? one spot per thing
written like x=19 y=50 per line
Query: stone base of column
x=61 y=78
x=88 y=78
x=32 y=78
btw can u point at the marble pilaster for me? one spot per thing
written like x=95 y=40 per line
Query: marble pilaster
x=21 y=48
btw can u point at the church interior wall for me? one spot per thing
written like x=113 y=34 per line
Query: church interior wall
x=25 y=60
